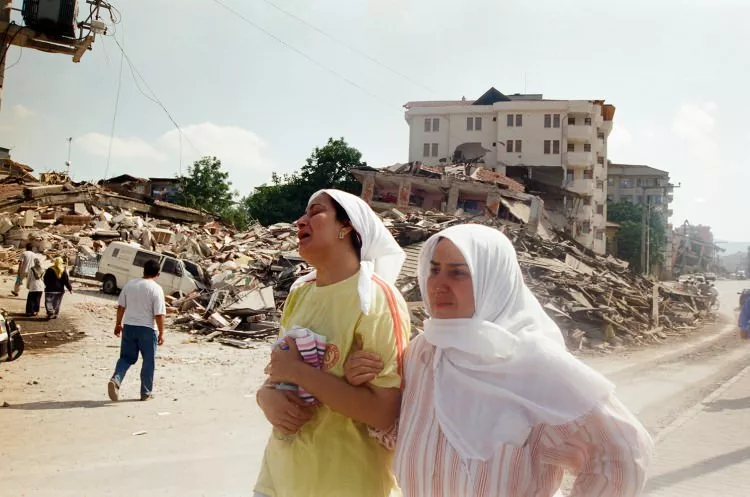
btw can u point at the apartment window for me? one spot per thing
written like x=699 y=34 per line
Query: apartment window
x=588 y=174
x=571 y=121
x=600 y=136
x=599 y=235
x=473 y=124
x=600 y=185
x=571 y=176
x=426 y=150
x=586 y=228
x=510 y=120
x=518 y=146
x=610 y=198
x=556 y=121
x=434 y=150
x=548 y=120
x=509 y=146
x=600 y=209
x=587 y=201
x=639 y=199
x=587 y=147
x=427 y=125
x=556 y=147
x=587 y=121
x=654 y=199
x=519 y=120
x=547 y=147
x=610 y=181
x=626 y=183
x=571 y=147
x=600 y=160
x=435 y=124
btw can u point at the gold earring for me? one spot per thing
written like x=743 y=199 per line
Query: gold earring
x=341 y=234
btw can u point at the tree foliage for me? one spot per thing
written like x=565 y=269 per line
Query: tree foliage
x=630 y=218
x=206 y=187
x=285 y=198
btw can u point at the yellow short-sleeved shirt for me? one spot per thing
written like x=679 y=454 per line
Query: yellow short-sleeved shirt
x=332 y=455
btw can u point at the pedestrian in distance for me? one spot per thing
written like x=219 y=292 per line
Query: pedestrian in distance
x=26 y=263
x=56 y=281
x=35 y=284
x=140 y=313
x=494 y=405
x=744 y=321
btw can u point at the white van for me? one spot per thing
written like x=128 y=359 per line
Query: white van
x=122 y=262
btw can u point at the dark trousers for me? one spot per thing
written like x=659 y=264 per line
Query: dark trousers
x=137 y=339
x=52 y=302
x=33 y=302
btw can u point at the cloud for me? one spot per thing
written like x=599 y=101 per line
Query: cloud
x=695 y=121
x=22 y=112
x=238 y=148
x=619 y=136
x=97 y=144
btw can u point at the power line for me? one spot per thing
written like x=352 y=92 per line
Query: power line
x=20 y=54
x=301 y=53
x=155 y=99
x=349 y=46
x=114 y=115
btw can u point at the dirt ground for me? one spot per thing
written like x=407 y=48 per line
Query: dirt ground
x=203 y=434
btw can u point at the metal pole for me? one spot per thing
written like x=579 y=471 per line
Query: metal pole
x=5 y=6
x=648 y=236
x=643 y=237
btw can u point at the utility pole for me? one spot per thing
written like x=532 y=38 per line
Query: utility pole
x=23 y=36
x=648 y=236
x=643 y=237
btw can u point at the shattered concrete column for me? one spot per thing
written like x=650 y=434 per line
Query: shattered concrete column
x=535 y=214
x=452 y=199
x=493 y=203
x=404 y=192
x=368 y=188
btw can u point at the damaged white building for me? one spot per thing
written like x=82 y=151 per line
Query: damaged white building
x=558 y=148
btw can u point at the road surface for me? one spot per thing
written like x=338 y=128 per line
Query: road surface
x=203 y=434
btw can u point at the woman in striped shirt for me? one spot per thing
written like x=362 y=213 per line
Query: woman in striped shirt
x=494 y=405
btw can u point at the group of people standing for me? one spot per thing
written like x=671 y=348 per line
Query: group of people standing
x=52 y=281
x=487 y=401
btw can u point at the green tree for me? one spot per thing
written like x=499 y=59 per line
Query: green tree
x=206 y=187
x=630 y=218
x=285 y=198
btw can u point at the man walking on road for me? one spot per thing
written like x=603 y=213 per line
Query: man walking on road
x=744 y=321
x=26 y=263
x=141 y=304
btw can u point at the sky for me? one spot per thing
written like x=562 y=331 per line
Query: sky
x=263 y=92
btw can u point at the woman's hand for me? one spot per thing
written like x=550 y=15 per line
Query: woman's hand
x=361 y=367
x=284 y=409
x=286 y=365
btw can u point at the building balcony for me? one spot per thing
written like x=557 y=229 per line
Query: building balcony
x=582 y=186
x=580 y=158
x=580 y=133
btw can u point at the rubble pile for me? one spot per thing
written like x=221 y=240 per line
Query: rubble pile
x=597 y=301
x=245 y=277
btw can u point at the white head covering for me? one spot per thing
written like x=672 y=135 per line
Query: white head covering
x=381 y=253
x=506 y=370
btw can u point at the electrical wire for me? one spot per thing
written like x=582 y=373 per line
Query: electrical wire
x=301 y=53
x=347 y=45
x=5 y=47
x=114 y=115
x=155 y=99
x=20 y=54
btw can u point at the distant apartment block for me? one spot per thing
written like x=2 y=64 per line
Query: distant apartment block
x=558 y=148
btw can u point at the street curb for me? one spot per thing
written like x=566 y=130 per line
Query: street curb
x=699 y=407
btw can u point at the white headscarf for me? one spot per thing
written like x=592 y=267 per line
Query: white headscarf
x=381 y=253
x=506 y=370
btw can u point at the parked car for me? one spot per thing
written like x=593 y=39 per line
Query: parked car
x=710 y=276
x=122 y=262
x=11 y=341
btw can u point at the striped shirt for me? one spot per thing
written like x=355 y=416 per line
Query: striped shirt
x=608 y=450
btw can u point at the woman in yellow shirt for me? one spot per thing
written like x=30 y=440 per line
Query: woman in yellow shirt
x=329 y=451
